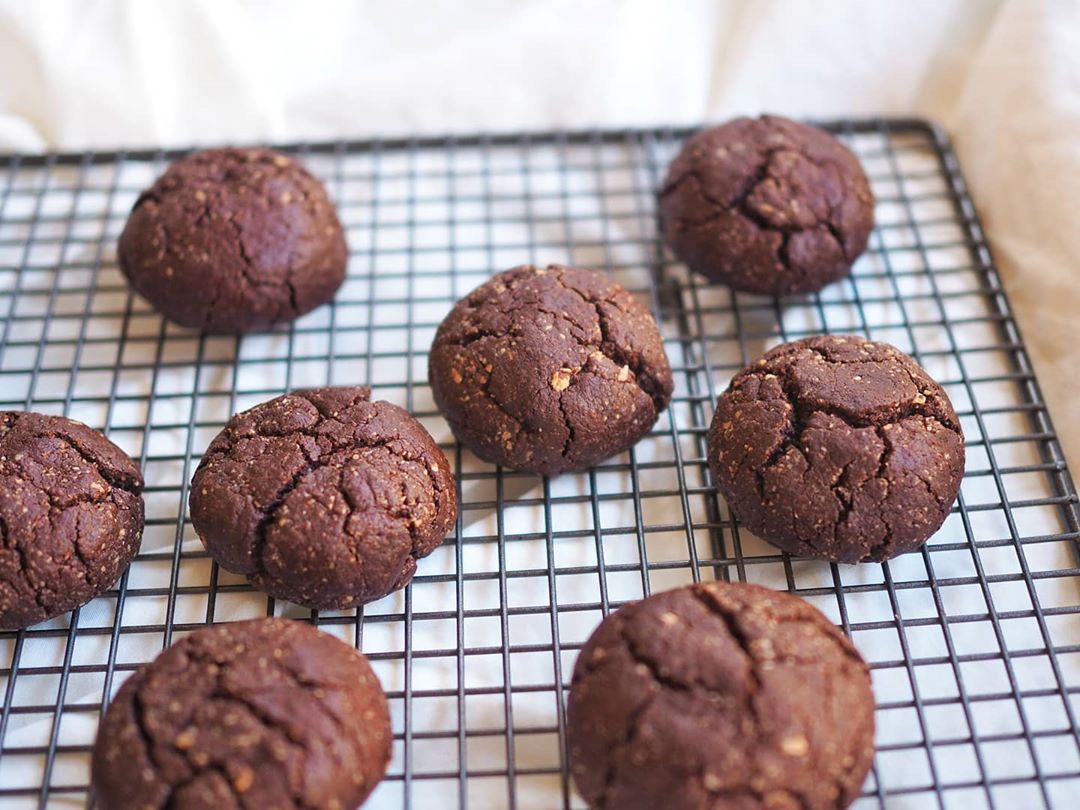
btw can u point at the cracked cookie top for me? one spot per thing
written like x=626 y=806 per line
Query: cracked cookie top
x=549 y=369
x=230 y=240
x=256 y=714
x=323 y=497
x=838 y=448
x=71 y=516
x=720 y=696
x=767 y=205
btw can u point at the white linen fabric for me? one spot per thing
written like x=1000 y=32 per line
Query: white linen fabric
x=1003 y=77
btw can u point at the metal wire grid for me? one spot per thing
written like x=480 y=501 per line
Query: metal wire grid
x=974 y=641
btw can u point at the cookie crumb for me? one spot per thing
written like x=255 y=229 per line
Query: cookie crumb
x=795 y=746
x=560 y=380
x=243 y=781
x=186 y=738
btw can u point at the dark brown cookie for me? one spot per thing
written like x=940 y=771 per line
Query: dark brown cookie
x=550 y=369
x=720 y=696
x=323 y=497
x=230 y=240
x=263 y=714
x=838 y=448
x=767 y=205
x=71 y=516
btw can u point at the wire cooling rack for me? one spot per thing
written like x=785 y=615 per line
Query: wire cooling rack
x=974 y=641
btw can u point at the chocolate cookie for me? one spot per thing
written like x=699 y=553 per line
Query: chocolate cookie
x=269 y=713
x=230 y=240
x=549 y=369
x=767 y=205
x=720 y=696
x=323 y=497
x=838 y=448
x=71 y=516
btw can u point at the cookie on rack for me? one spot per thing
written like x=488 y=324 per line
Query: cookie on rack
x=767 y=205
x=719 y=695
x=838 y=448
x=263 y=713
x=549 y=369
x=71 y=516
x=231 y=240
x=323 y=497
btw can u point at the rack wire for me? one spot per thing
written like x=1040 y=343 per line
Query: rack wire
x=974 y=641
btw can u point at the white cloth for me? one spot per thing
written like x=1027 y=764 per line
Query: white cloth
x=1004 y=77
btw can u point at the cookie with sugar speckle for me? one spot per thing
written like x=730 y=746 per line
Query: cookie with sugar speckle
x=323 y=497
x=839 y=448
x=549 y=369
x=767 y=205
x=71 y=516
x=232 y=240
x=724 y=696
x=269 y=713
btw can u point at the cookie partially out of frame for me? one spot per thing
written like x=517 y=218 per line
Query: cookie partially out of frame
x=720 y=696
x=767 y=205
x=323 y=497
x=71 y=516
x=549 y=369
x=838 y=448
x=269 y=713
x=231 y=240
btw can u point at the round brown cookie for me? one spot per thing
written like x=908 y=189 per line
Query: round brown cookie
x=323 y=497
x=263 y=714
x=767 y=205
x=230 y=240
x=720 y=696
x=838 y=448
x=549 y=369
x=71 y=516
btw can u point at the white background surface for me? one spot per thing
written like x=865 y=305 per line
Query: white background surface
x=587 y=204
x=1002 y=77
